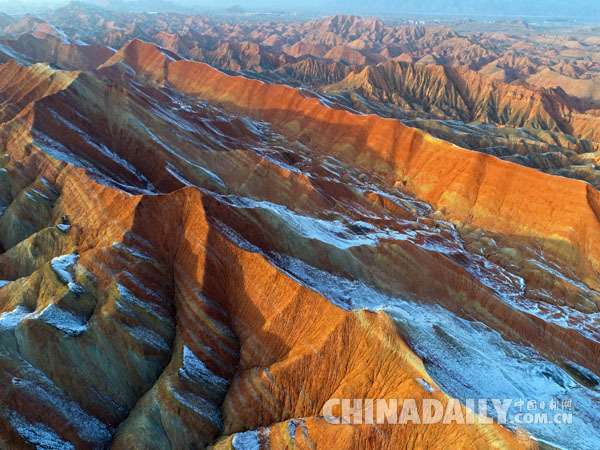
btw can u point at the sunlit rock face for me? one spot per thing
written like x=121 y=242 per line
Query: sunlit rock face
x=521 y=92
x=195 y=259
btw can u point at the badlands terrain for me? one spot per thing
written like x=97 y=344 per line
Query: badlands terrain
x=210 y=226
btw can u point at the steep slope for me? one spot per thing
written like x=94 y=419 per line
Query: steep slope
x=212 y=258
x=67 y=55
x=541 y=128
x=147 y=60
x=582 y=88
x=401 y=154
x=21 y=85
x=146 y=312
x=537 y=127
x=468 y=96
x=425 y=88
x=241 y=56
x=348 y=40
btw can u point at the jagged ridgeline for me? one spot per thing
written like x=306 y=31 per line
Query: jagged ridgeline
x=193 y=258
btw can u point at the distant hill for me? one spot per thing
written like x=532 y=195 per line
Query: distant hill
x=236 y=9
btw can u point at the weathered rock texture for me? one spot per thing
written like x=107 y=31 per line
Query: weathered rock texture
x=185 y=252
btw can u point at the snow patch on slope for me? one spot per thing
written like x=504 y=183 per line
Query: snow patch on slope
x=247 y=440
x=468 y=359
x=333 y=232
x=69 y=323
x=200 y=406
x=10 y=319
x=62 y=267
x=38 y=434
x=194 y=369
x=48 y=395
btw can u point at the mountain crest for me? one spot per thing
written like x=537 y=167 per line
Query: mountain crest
x=147 y=60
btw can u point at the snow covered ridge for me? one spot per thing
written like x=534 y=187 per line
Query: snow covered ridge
x=38 y=434
x=466 y=359
x=509 y=287
x=67 y=321
x=61 y=319
x=194 y=369
x=248 y=440
x=62 y=267
x=332 y=232
x=10 y=319
x=469 y=360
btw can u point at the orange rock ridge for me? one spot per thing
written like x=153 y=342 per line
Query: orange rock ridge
x=469 y=187
x=279 y=343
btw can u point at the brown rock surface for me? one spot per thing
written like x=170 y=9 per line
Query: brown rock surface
x=194 y=256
